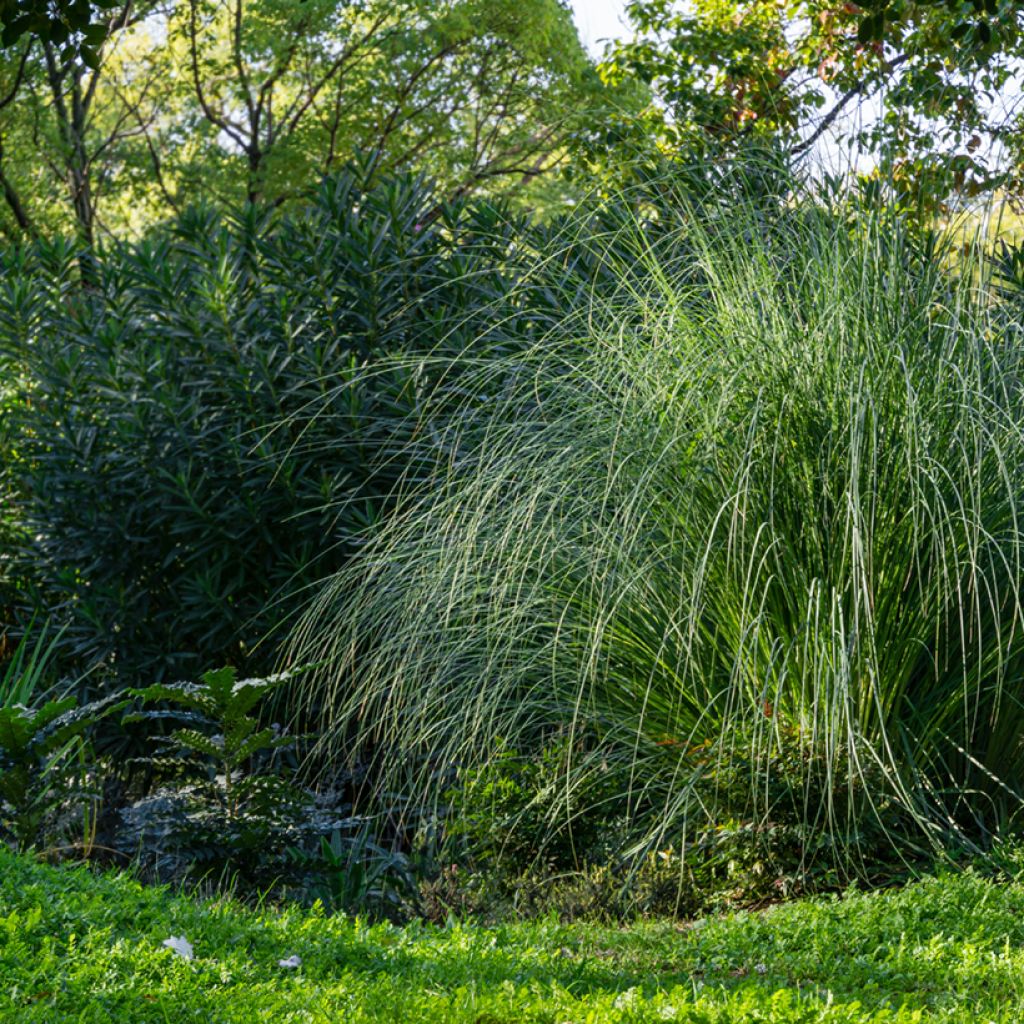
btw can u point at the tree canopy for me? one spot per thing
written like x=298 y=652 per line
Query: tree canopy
x=725 y=70
x=233 y=100
x=116 y=115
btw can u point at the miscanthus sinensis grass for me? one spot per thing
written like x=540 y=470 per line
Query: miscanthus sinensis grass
x=743 y=536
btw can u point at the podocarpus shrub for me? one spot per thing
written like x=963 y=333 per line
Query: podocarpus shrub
x=9 y=523
x=20 y=303
x=757 y=545
x=207 y=432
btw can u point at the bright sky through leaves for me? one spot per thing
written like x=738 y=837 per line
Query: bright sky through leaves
x=598 y=20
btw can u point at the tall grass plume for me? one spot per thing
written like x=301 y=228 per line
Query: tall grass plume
x=743 y=533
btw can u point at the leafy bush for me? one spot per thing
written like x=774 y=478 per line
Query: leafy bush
x=221 y=731
x=9 y=540
x=761 y=538
x=45 y=778
x=516 y=842
x=36 y=745
x=29 y=669
x=11 y=532
x=225 y=806
x=509 y=815
x=218 y=421
x=349 y=871
x=207 y=432
x=229 y=808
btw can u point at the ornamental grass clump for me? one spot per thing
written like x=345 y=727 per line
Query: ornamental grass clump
x=743 y=540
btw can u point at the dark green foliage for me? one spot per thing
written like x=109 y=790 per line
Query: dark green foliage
x=220 y=420
x=231 y=806
x=513 y=813
x=350 y=871
x=183 y=833
x=9 y=527
x=232 y=739
x=78 y=27
x=38 y=748
x=33 y=742
x=523 y=843
x=28 y=669
x=42 y=744
x=228 y=806
x=207 y=432
x=11 y=533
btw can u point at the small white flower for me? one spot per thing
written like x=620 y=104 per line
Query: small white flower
x=180 y=945
x=291 y=962
x=627 y=1000
x=761 y=968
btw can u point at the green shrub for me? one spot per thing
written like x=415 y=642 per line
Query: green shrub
x=218 y=421
x=207 y=433
x=11 y=529
x=517 y=842
x=225 y=805
x=349 y=871
x=47 y=778
x=508 y=815
x=761 y=537
x=36 y=745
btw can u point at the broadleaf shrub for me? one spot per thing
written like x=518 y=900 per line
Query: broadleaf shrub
x=226 y=804
x=43 y=765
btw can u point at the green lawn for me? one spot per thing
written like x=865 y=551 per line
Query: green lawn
x=79 y=947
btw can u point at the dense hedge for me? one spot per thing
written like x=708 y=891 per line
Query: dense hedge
x=217 y=418
x=202 y=433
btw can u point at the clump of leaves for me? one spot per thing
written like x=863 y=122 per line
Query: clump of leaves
x=512 y=812
x=351 y=870
x=228 y=807
x=40 y=758
x=271 y=435
x=516 y=842
x=28 y=667
x=222 y=731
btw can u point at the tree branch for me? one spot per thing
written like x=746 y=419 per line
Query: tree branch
x=829 y=119
x=228 y=127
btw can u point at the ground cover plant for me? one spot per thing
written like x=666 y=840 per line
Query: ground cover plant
x=75 y=946
x=742 y=542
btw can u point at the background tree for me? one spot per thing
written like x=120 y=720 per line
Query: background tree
x=468 y=89
x=721 y=71
x=235 y=100
x=65 y=125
